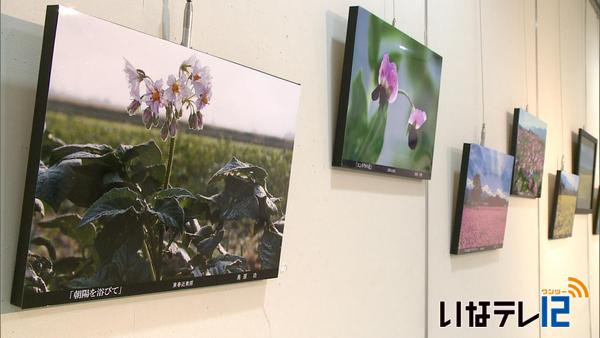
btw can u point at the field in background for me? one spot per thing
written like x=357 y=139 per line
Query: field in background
x=196 y=158
x=482 y=226
x=563 y=225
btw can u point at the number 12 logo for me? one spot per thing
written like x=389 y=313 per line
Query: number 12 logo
x=555 y=311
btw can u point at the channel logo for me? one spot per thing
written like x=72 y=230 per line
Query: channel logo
x=577 y=289
x=556 y=305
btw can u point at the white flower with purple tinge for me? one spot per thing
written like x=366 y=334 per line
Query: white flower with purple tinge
x=202 y=82
x=177 y=91
x=154 y=97
x=134 y=78
x=188 y=92
x=196 y=121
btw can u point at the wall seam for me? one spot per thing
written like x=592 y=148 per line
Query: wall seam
x=537 y=112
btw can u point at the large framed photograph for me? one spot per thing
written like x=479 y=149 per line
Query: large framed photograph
x=482 y=201
x=152 y=167
x=528 y=148
x=388 y=100
x=563 y=205
x=585 y=163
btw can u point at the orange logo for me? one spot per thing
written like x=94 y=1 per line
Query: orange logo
x=577 y=289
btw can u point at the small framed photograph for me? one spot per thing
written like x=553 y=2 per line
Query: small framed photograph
x=585 y=165
x=528 y=147
x=563 y=205
x=482 y=202
x=388 y=100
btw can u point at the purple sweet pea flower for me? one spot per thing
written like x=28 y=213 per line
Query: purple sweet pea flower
x=154 y=98
x=387 y=88
x=417 y=118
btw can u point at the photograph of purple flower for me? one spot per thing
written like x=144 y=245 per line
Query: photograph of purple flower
x=152 y=176
x=528 y=148
x=482 y=202
x=388 y=100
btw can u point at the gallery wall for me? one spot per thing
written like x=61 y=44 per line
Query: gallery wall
x=364 y=255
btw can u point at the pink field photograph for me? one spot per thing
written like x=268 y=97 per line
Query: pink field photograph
x=482 y=203
x=480 y=227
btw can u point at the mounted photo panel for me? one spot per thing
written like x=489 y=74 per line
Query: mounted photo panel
x=482 y=201
x=152 y=167
x=563 y=205
x=388 y=100
x=585 y=164
x=528 y=148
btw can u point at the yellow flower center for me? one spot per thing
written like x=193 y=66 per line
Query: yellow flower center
x=175 y=87
x=155 y=95
x=204 y=99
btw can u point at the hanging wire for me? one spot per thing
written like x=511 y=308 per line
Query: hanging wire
x=394 y=13
x=482 y=139
x=525 y=58
x=562 y=125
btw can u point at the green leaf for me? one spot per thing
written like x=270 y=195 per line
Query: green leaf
x=269 y=249
x=176 y=193
x=68 y=265
x=146 y=153
x=149 y=178
x=238 y=200
x=126 y=266
x=115 y=202
x=207 y=245
x=59 y=153
x=45 y=243
x=69 y=225
x=227 y=264
x=356 y=119
x=169 y=213
x=244 y=171
x=69 y=179
x=200 y=207
x=370 y=149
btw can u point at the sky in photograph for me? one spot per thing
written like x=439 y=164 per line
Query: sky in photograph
x=570 y=181
x=88 y=68
x=530 y=122
x=494 y=168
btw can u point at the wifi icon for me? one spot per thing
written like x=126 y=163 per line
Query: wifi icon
x=577 y=289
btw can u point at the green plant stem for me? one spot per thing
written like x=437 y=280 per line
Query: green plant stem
x=149 y=256
x=161 y=232
x=169 y=163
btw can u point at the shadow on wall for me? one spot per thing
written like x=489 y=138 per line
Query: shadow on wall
x=551 y=187
x=21 y=48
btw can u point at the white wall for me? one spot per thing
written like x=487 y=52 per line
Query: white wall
x=366 y=255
